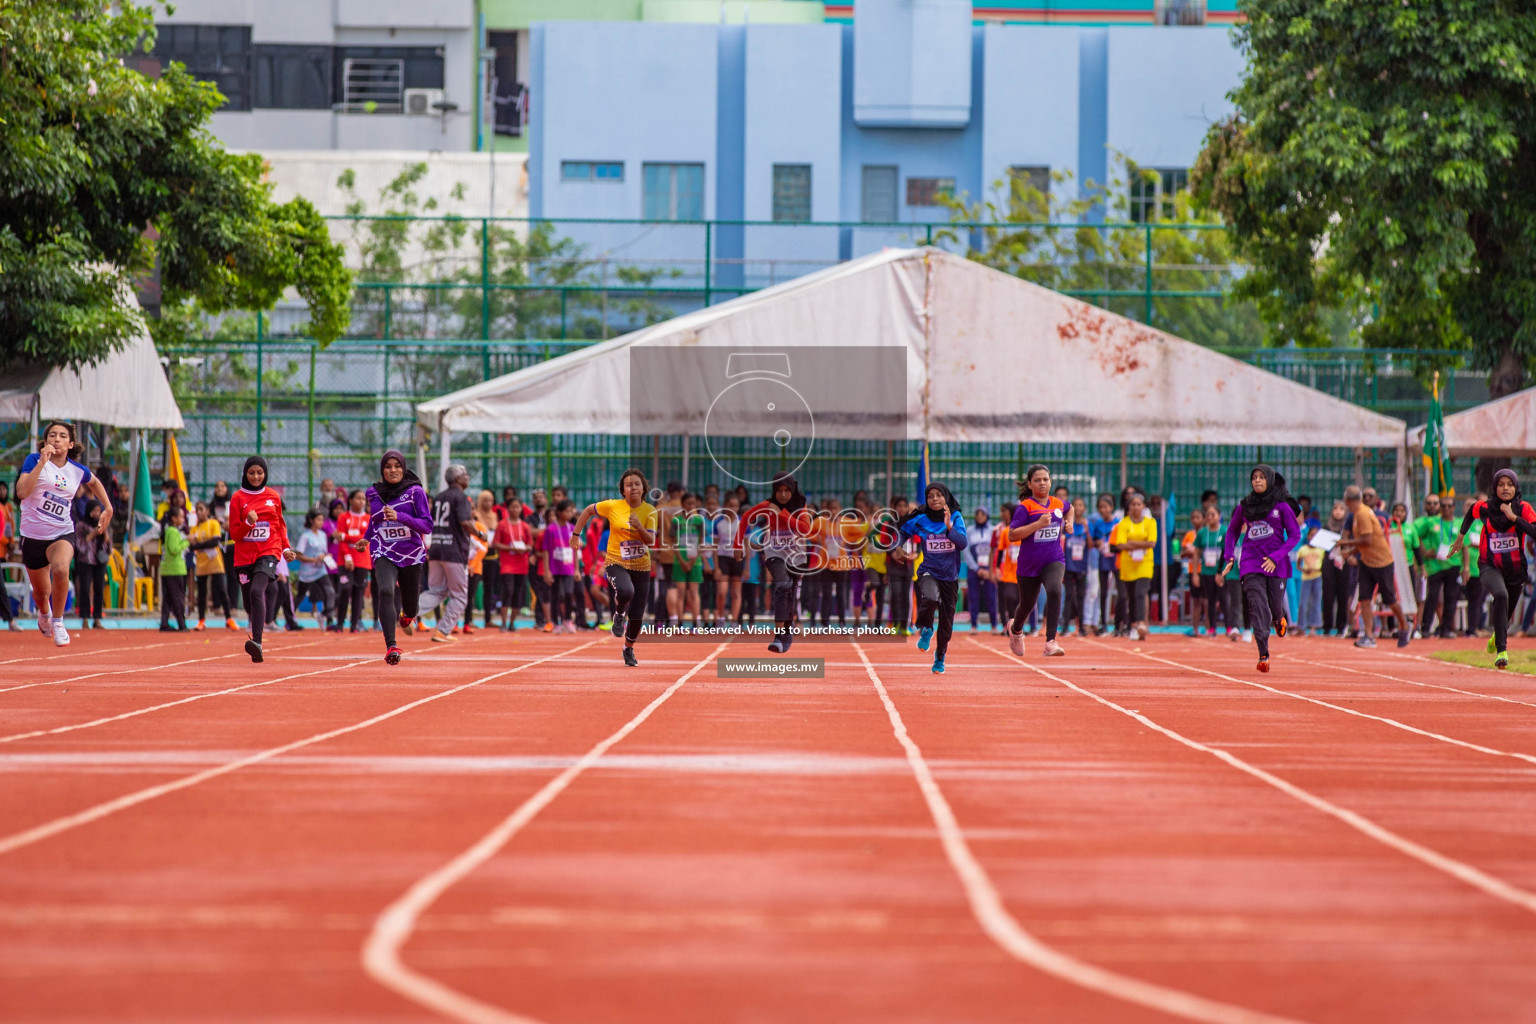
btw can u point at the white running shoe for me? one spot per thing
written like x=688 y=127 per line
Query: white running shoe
x=1247 y=636
x=1234 y=635
x=1016 y=642
x=1053 y=650
x=44 y=623
x=60 y=634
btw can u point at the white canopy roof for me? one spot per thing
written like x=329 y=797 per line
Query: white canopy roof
x=989 y=357
x=128 y=389
x=1504 y=426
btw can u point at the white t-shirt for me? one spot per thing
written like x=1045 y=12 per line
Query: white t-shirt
x=45 y=513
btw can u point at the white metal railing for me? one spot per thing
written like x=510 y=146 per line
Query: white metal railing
x=372 y=85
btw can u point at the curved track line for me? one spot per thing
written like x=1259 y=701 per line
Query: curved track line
x=1502 y=673
x=988 y=909
x=81 y=654
x=381 y=951
x=1478 y=879
x=17 y=840
x=1530 y=758
x=1411 y=682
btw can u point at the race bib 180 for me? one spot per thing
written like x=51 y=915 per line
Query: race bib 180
x=394 y=532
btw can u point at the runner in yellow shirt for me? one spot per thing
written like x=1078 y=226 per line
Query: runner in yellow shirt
x=631 y=532
x=1132 y=541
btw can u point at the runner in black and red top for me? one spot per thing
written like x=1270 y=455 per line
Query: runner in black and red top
x=1507 y=521
x=787 y=523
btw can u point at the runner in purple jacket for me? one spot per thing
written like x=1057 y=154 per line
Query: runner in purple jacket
x=1266 y=522
x=398 y=517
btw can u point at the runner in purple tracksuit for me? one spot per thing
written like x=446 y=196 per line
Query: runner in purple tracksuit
x=399 y=517
x=1267 y=523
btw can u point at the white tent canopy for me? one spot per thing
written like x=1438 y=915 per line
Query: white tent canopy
x=989 y=358
x=1504 y=426
x=128 y=389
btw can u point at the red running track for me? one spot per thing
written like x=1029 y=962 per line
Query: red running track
x=514 y=829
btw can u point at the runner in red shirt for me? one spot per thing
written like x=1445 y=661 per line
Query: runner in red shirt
x=514 y=540
x=357 y=562
x=261 y=537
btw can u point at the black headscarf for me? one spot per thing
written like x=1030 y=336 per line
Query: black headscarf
x=255 y=460
x=1258 y=506
x=923 y=509
x=387 y=491
x=796 y=499
x=1496 y=517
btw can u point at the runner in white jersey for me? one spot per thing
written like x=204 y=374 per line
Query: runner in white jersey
x=49 y=481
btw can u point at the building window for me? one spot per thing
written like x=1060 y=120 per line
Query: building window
x=929 y=191
x=792 y=193
x=374 y=78
x=591 y=170
x=1180 y=12
x=674 y=192
x=1031 y=177
x=877 y=197
x=292 y=77
x=220 y=54
x=1152 y=191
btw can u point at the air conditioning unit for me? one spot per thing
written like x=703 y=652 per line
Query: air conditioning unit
x=423 y=101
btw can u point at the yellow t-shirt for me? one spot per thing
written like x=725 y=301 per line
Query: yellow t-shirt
x=1134 y=565
x=210 y=561
x=626 y=546
x=1311 y=560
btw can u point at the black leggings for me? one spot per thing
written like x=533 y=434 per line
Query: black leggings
x=1074 y=591
x=1443 y=586
x=786 y=590
x=1499 y=584
x=215 y=583
x=351 y=592
x=941 y=596
x=1133 y=599
x=562 y=599
x=514 y=593
x=901 y=599
x=386 y=575
x=1029 y=595
x=631 y=591
x=1264 y=600
x=90 y=590
x=1216 y=601
x=1106 y=577
x=255 y=581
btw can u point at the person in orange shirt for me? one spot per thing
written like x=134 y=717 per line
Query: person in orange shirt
x=1005 y=564
x=1188 y=550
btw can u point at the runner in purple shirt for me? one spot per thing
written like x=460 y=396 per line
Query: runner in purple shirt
x=1267 y=524
x=398 y=517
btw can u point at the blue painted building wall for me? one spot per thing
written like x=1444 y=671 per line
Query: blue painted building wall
x=740 y=99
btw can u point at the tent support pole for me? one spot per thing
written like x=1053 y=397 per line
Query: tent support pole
x=133 y=483
x=421 y=452
x=890 y=467
x=1162 y=528
x=655 y=460
x=686 y=439
x=444 y=452
x=1125 y=475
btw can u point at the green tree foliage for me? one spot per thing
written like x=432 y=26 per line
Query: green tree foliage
x=1381 y=161
x=443 y=263
x=105 y=173
x=1045 y=236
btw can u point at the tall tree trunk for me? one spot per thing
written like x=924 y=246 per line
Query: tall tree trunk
x=1506 y=377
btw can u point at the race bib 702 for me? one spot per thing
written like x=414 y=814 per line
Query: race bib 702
x=262 y=531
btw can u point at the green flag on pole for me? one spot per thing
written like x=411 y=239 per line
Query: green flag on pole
x=143 y=500
x=1434 y=445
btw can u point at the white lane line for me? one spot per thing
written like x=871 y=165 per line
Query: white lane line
x=1441 y=663
x=117 y=672
x=17 y=840
x=1411 y=682
x=159 y=707
x=381 y=951
x=1394 y=723
x=1478 y=879
x=1001 y=926
x=80 y=654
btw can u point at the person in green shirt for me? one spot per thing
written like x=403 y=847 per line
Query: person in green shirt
x=1470 y=582
x=173 y=570
x=688 y=530
x=1434 y=534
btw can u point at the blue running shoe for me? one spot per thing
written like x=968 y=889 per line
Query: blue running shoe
x=938 y=666
x=924 y=638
